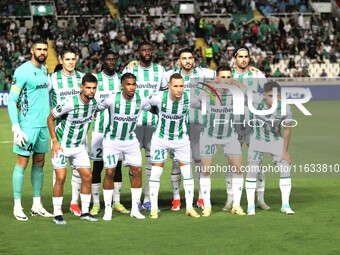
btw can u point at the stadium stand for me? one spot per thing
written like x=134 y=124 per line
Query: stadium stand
x=275 y=31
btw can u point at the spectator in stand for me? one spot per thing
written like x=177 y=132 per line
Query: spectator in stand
x=332 y=56
x=277 y=73
x=323 y=74
x=291 y=64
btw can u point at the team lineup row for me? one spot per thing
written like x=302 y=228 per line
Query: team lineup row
x=148 y=108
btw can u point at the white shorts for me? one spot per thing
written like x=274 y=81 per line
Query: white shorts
x=194 y=136
x=78 y=158
x=144 y=136
x=159 y=150
x=257 y=149
x=96 y=153
x=129 y=149
x=230 y=146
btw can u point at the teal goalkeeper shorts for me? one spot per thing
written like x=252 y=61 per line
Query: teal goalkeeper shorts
x=37 y=141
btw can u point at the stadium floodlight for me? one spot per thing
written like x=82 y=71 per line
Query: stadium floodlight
x=42 y=9
x=186 y=9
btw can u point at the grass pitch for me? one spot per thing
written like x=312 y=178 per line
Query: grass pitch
x=315 y=229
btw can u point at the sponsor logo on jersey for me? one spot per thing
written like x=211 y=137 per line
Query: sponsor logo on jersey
x=221 y=110
x=147 y=86
x=172 y=116
x=190 y=86
x=126 y=119
x=44 y=86
x=72 y=92
x=82 y=121
x=104 y=96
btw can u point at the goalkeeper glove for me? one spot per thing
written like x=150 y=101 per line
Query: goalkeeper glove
x=20 y=138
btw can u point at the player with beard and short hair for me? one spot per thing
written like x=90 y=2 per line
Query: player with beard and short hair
x=149 y=78
x=68 y=139
x=108 y=83
x=189 y=72
x=30 y=90
x=255 y=80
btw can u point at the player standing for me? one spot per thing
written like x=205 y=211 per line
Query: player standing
x=30 y=90
x=218 y=129
x=124 y=109
x=69 y=142
x=108 y=83
x=267 y=138
x=188 y=72
x=255 y=81
x=171 y=133
x=149 y=78
x=64 y=84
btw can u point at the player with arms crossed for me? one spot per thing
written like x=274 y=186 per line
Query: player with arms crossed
x=267 y=138
x=149 y=78
x=120 y=138
x=255 y=80
x=30 y=90
x=171 y=133
x=64 y=84
x=108 y=82
x=69 y=142
x=188 y=72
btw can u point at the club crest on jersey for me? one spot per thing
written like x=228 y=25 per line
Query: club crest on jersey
x=163 y=105
x=14 y=81
x=58 y=108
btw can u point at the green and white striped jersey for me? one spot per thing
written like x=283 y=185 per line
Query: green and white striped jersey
x=267 y=128
x=198 y=74
x=148 y=82
x=255 y=81
x=62 y=86
x=76 y=117
x=123 y=115
x=172 y=115
x=218 y=122
x=106 y=86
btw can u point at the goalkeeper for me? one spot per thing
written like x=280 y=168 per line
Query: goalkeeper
x=30 y=90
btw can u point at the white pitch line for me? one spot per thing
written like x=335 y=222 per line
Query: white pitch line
x=6 y=141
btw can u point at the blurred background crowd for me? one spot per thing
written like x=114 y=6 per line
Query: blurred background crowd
x=286 y=38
